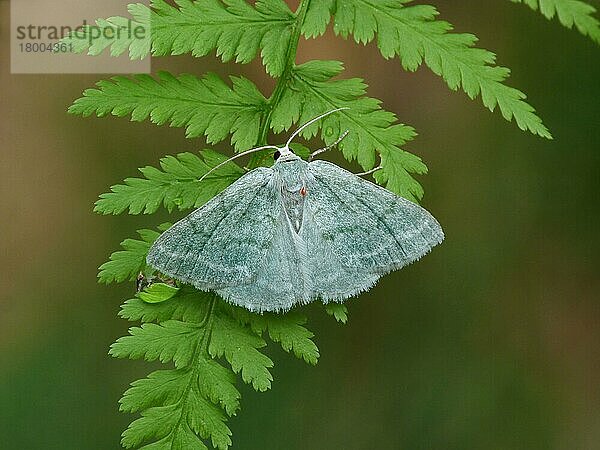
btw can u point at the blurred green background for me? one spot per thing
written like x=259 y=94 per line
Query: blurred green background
x=488 y=343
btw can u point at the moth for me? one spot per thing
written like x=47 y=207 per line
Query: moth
x=293 y=233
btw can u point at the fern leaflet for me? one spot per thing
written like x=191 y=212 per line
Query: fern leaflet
x=570 y=13
x=233 y=28
x=338 y=311
x=414 y=34
x=125 y=265
x=203 y=105
x=117 y=41
x=175 y=185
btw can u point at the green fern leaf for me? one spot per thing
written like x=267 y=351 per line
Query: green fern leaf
x=570 y=13
x=203 y=105
x=181 y=425
x=240 y=347
x=183 y=307
x=317 y=18
x=287 y=329
x=338 y=311
x=170 y=341
x=158 y=293
x=136 y=39
x=175 y=185
x=160 y=387
x=371 y=129
x=125 y=265
x=414 y=34
x=218 y=384
x=189 y=404
x=185 y=406
x=234 y=29
x=182 y=407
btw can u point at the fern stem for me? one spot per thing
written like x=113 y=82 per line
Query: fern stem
x=282 y=82
x=201 y=348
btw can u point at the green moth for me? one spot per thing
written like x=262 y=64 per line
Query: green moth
x=293 y=233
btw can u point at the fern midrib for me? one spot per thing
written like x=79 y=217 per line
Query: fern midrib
x=221 y=23
x=201 y=347
x=282 y=82
x=181 y=183
x=243 y=106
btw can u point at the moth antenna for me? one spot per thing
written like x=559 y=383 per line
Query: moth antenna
x=247 y=152
x=310 y=122
x=329 y=147
x=369 y=172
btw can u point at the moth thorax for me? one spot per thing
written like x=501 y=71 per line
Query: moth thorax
x=293 y=205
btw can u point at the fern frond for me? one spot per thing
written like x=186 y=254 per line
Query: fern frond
x=187 y=405
x=414 y=34
x=311 y=91
x=202 y=105
x=183 y=307
x=570 y=13
x=289 y=331
x=175 y=185
x=177 y=410
x=235 y=29
x=318 y=16
x=206 y=341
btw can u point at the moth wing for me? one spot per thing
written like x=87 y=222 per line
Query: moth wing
x=370 y=229
x=330 y=279
x=221 y=243
x=280 y=282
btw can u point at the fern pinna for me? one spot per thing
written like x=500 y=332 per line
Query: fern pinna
x=208 y=341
